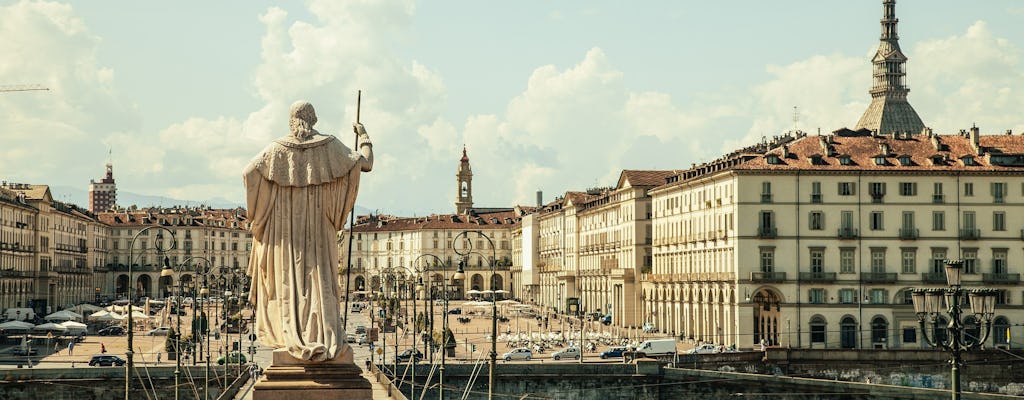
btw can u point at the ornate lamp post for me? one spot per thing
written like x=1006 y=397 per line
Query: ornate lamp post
x=928 y=304
x=130 y=364
x=420 y=270
x=494 y=308
x=168 y=271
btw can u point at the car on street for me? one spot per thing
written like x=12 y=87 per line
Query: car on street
x=234 y=357
x=360 y=329
x=410 y=353
x=111 y=331
x=104 y=360
x=614 y=352
x=568 y=352
x=161 y=331
x=351 y=337
x=362 y=339
x=706 y=348
x=606 y=320
x=519 y=353
x=456 y=311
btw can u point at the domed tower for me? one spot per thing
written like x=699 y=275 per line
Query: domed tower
x=465 y=189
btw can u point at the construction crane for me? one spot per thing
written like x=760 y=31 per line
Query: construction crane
x=21 y=88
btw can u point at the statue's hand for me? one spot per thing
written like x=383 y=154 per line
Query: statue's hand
x=359 y=129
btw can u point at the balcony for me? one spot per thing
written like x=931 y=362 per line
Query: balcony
x=970 y=233
x=776 y=277
x=818 y=276
x=767 y=232
x=766 y=197
x=815 y=197
x=933 y=277
x=938 y=199
x=1006 y=279
x=908 y=233
x=878 y=277
x=847 y=233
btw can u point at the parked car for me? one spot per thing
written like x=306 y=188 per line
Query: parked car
x=351 y=337
x=111 y=331
x=606 y=320
x=613 y=352
x=104 y=360
x=410 y=353
x=360 y=329
x=161 y=331
x=519 y=353
x=455 y=311
x=706 y=348
x=234 y=357
x=362 y=339
x=568 y=352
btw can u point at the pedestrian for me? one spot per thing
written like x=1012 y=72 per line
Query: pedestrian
x=103 y=348
x=158 y=357
x=254 y=372
x=71 y=348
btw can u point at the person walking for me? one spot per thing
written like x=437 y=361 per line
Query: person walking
x=103 y=348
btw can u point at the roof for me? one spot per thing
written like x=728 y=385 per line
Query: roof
x=177 y=216
x=387 y=223
x=634 y=178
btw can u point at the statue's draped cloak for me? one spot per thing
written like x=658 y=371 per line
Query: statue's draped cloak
x=298 y=195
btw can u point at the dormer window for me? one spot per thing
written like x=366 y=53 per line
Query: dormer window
x=880 y=160
x=938 y=159
x=817 y=160
x=845 y=160
x=968 y=160
x=905 y=160
x=773 y=159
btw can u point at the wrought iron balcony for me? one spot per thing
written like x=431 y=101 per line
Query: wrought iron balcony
x=908 y=233
x=970 y=234
x=847 y=233
x=933 y=277
x=818 y=276
x=938 y=199
x=768 y=276
x=1010 y=279
x=878 y=277
x=766 y=232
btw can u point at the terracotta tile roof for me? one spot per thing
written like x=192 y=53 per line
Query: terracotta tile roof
x=221 y=218
x=635 y=178
x=492 y=220
x=924 y=153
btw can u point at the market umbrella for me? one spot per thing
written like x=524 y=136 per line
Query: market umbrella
x=84 y=308
x=50 y=326
x=139 y=315
x=74 y=328
x=16 y=326
x=64 y=315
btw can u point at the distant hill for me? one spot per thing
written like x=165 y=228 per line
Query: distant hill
x=80 y=197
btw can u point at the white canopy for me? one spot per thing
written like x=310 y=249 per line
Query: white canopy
x=50 y=326
x=64 y=315
x=73 y=325
x=139 y=315
x=84 y=308
x=16 y=325
x=509 y=301
x=472 y=291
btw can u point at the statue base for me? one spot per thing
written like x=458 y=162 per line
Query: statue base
x=294 y=379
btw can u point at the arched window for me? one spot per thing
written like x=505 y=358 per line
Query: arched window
x=1001 y=331
x=972 y=332
x=818 y=329
x=879 y=330
x=848 y=332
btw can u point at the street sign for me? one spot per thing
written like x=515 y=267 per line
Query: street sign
x=380 y=351
x=252 y=336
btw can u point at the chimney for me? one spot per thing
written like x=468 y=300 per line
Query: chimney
x=785 y=151
x=540 y=198
x=973 y=136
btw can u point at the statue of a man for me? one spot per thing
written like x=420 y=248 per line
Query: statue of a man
x=299 y=190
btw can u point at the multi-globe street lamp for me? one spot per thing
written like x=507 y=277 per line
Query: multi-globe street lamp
x=168 y=271
x=130 y=353
x=494 y=304
x=420 y=270
x=929 y=303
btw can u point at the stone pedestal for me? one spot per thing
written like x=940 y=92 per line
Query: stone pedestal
x=293 y=379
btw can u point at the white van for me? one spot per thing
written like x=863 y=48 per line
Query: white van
x=657 y=347
x=20 y=314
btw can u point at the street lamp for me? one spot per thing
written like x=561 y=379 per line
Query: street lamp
x=168 y=271
x=419 y=272
x=494 y=307
x=130 y=353
x=928 y=304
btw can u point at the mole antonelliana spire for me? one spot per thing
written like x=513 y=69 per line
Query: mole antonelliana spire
x=889 y=110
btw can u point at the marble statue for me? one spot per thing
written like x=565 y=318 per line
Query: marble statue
x=299 y=191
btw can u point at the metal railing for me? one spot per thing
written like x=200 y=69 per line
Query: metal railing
x=818 y=276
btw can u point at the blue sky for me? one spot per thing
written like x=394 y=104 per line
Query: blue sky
x=550 y=96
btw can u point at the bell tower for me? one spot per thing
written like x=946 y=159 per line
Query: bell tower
x=464 y=190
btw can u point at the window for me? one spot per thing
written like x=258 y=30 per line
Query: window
x=766 y=192
x=878 y=260
x=877 y=221
x=880 y=160
x=999 y=221
x=999 y=261
x=816 y=296
x=909 y=334
x=846 y=265
x=818 y=260
x=818 y=329
x=999 y=192
x=879 y=296
x=908 y=188
x=767 y=259
x=939 y=261
x=908 y=261
x=937 y=196
x=773 y=159
x=938 y=221
x=767 y=223
x=847 y=188
x=968 y=189
x=847 y=296
x=970 y=261
x=877 y=191
x=815 y=192
x=817 y=220
x=845 y=160
x=905 y=160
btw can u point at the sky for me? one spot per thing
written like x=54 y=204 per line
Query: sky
x=544 y=95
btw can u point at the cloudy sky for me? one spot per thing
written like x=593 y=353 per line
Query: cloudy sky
x=546 y=95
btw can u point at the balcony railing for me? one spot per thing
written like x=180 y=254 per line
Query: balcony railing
x=847 y=233
x=938 y=199
x=970 y=234
x=1001 y=278
x=815 y=197
x=766 y=232
x=766 y=197
x=908 y=233
x=818 y=276
x=768 y=276
x=878 y=277
x=933 y=277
